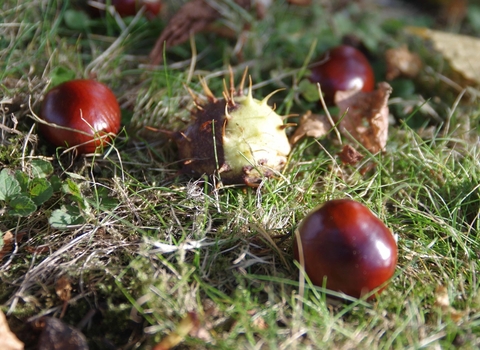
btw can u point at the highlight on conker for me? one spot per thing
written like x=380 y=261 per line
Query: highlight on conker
x=342 y=68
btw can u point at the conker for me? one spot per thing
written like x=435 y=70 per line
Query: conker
x=126 y=8
x=131 y=7
x=346 y=244
x=342 y=68
x=84 y=105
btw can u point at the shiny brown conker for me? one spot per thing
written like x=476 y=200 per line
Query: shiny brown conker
x=126 y=8
x=346 y=245
x=342 y=68
x=131 y=7
x=87 y=106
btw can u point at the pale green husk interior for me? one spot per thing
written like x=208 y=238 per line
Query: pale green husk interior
x=254 y=136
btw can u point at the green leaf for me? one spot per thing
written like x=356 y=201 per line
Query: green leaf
x=403 y=88
x=77 y=20
x=473 y=16
x=9 y=186
x=60 y=74
x=40 y=190
x=127 y=116
x=41 y=168
x=72 y=188
x=309 y=91
x=21 y=206
x=109 y=203
x=105 y=203
x=23 y=180
x=56 y=183
x=65 y=217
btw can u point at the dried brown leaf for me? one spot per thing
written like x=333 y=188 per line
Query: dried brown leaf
x=7 y=244
x=42 y=249
x=200 y=331
x=311 y=125
x=192 y=18
x=441 y=297
x=350 y=155
x=63 y=288
x=401 y=62
x=210 y=308
x=442 y=301
x=211 y=313
x=190 y=323
x=57 y=335
x=456 y=315
x=453 y=12
x=259 y=323
x=9 y=340
x=365 y=116
x=461 y=51
x=8 y=241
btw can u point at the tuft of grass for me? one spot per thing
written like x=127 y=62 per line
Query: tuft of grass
x=147 y=245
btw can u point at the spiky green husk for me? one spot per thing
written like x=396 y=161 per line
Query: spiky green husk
x=238 y=139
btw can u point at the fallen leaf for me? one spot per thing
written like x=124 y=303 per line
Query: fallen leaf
x=200 y=332
x=9 y=341
x=441 y=297
x=453 y=12
x=211 y=314
x=461 y=51
x=42 y=249
x=63 y=288
x=192 y=18
x=190 y=323
x=350 y=155
x=57 y=335
x=401 y=62
x=365 y=116
x=210 y=308
x=258 y=322
x=8 y=242
x=311 y=125
x=442 y=301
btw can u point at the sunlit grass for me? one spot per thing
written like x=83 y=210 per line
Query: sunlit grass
x=155 y=244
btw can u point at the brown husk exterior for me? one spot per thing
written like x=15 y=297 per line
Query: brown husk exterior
x=196 y=145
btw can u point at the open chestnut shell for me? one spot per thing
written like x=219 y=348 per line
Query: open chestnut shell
x=346 y=245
